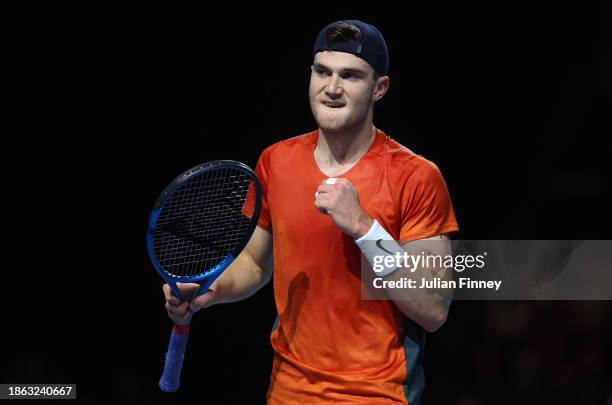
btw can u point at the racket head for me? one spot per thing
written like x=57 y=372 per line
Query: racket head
x=202 y=221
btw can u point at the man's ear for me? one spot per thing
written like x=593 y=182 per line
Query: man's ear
x=380 y=88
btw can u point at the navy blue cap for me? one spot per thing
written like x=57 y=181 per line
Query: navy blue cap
x=372 y=47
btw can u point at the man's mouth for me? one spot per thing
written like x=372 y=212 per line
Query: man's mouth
x=333 y=104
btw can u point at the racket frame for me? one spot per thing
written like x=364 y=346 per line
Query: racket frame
x=212 y=274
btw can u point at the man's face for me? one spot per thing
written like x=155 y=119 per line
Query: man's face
x=342 y=91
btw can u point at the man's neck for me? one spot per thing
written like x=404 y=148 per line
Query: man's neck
x=337 y=153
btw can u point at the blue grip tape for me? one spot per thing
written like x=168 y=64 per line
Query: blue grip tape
x=170 y=380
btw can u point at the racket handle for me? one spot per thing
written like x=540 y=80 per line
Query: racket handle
x=170 y=379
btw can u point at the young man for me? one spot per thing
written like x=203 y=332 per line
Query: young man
x=332 y=346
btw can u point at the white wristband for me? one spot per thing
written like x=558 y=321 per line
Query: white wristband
x=377 y=242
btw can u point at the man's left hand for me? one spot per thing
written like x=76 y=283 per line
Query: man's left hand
x=338 y=198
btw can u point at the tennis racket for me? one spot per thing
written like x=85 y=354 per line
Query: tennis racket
x=198 y=226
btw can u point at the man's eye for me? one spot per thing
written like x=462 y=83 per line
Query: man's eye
x=350 y=76
x=322 y=72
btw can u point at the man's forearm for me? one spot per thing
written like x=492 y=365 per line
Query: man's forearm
x=242 y=279
x=426 y=306
x=405 y=269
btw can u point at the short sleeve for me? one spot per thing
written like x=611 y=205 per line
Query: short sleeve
x=425 y=205
x=262 y=170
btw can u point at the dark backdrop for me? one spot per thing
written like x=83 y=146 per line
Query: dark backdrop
x=510 y=101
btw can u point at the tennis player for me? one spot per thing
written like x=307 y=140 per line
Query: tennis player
x=328 y=196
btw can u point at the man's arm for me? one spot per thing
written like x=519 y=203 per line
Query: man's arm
x=251 y=270
x=428 y=308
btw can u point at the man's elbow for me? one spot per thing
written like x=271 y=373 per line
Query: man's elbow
x=436 y=318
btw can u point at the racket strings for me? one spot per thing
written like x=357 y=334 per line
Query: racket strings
x=203 y=222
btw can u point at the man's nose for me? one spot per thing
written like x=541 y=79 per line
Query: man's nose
x=333 y=89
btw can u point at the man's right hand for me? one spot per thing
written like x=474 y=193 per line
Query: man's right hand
x=181 y=313
x=251 y=270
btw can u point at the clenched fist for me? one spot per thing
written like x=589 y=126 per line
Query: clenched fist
x=338 y=198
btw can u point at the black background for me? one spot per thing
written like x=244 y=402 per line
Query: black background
x=106 y=106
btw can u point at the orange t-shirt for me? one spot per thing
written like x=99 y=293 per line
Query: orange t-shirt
x=330 y=345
